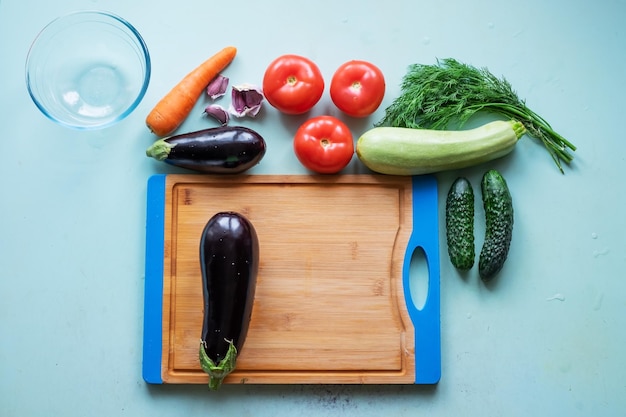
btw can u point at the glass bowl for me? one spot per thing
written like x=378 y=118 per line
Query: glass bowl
x=88 y=69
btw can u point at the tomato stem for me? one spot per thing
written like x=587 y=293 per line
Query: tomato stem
x=325 y=142
x=291 y=80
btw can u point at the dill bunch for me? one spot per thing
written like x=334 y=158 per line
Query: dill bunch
x=434 y=96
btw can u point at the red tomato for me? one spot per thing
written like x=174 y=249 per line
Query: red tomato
x=324 y=144
x=357 y=88
x=293 y=84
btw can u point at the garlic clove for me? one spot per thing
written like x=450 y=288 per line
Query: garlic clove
x=217 y=86
x=218 y=112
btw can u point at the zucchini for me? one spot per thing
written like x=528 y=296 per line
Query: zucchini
x=498 y=224
x=460 y=224
x=408 y=151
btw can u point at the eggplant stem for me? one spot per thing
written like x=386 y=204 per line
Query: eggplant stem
x=159 y=150
x=217 y=372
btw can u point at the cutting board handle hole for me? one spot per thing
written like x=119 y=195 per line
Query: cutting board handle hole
x=418 y=278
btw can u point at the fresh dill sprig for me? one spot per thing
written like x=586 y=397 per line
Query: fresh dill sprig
x=434 y=96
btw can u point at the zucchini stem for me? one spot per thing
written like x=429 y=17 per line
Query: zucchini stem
x=518 y=128
x=217 y=372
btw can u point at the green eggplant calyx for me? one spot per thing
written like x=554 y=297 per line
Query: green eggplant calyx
x=159 y=150
x=217 y=372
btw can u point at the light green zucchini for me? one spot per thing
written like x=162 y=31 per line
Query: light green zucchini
x=407 y=151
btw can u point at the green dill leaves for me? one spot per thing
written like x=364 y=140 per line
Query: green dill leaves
x=435 y=96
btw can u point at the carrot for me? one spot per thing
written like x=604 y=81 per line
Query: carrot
x=172 y=110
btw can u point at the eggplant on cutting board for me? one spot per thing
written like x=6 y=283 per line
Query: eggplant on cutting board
x=229 y=260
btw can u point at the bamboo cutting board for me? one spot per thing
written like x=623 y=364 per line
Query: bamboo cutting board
x=334 y=301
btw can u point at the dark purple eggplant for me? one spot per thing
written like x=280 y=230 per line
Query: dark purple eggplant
x=229 y=260
x=217 y=150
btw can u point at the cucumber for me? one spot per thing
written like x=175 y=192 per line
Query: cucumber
x=498 y=224
x=460 y=224
x=407 y=151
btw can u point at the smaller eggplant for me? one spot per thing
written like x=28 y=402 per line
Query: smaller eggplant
x=229 y=260
x=217 y=150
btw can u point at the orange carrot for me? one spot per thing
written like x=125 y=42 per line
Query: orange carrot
x=172 y=110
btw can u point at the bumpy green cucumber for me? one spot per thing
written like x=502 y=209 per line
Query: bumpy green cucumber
x=498 y=224
x=460 y=224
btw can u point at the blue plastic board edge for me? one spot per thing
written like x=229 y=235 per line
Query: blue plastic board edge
x=426 y=321
x=153 y=296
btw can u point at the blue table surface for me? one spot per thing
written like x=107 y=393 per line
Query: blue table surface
x=546 y=339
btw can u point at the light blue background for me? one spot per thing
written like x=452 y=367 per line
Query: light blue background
x=547 y=339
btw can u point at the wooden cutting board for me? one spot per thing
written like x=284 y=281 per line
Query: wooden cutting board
x=335 y=299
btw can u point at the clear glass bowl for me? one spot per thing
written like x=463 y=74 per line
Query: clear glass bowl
x=88 y=69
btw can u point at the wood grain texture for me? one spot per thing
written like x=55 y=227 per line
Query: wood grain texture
x=329 y=304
